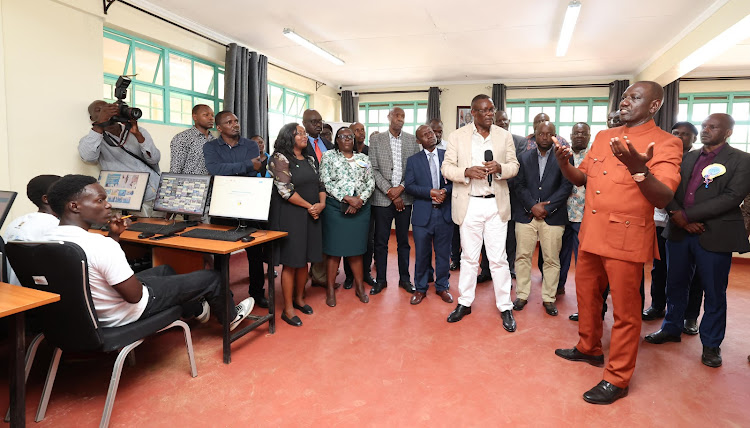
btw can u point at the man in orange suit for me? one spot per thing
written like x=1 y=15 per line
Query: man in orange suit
x=628 y=171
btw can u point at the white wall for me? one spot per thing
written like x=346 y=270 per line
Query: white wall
x=51 y=69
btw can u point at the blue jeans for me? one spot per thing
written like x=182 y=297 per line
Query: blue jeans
x=684 y=259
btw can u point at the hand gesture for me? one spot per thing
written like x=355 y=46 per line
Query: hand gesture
x=354 y=201
x=492 y=167
x=257 y=163
x=315 y=210
x=629 y=156
x=399 y=203
x=394 y=192
x=438 y=195
x=678 y=218
x=118 y=225
x=695 y=228
x=538 y=210
x=563 y=154
x=476 y=172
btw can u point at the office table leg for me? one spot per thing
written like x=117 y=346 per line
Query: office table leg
x=221 y=263
x=17 y=372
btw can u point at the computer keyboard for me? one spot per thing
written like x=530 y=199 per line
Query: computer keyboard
x=160 y=229
x=219 y=235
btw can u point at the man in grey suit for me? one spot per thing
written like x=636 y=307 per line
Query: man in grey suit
x=388 y=154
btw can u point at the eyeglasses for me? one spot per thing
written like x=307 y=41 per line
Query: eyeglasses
x=346 y=137
x=486 y=111
x=303 y=133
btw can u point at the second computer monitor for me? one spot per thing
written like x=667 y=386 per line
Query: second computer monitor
x=125 y=190
x=246 y=198
x=182 y=193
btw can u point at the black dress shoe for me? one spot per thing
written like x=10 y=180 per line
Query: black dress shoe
x=712 y=356
x=408 y=286
x=458 y=313
x=483 y=277
x=652 y=313
x=604 y=393
x=509 y=324
x=518 y=304
x=660 y=336
x=550 y=308
x=573 y=317
x=454 y=266
x=293 y=321
x=368 y=279
x=261 y=302
x=307 y=310
x=378 y=287
x=574 y=354
x=690 y=327
x=348 y=283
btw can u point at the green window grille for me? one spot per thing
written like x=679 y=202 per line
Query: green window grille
x=284 y=106
x=563 y=112
x=375 y=115
x=694 y=108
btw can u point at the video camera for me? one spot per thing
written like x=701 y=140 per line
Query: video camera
x=124 y=113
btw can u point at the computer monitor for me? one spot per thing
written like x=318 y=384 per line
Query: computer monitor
x=6 y=201
x=125 y=190
x=182 y=193
x=247 y=198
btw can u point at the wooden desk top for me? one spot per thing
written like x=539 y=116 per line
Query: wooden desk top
x=15 y=299
x=196 y=244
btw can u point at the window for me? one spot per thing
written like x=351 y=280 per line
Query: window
x=563 y=112
x=284 y=106
x=695 y=108
x=167 y=83
x=375 y=115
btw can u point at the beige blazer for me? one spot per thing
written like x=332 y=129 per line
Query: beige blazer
x=458 y=159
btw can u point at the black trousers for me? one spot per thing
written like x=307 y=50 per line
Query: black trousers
x=659 y=283
x=167 y=289
x=384 y=217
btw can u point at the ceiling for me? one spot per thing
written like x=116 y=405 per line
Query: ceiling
x=397 y=42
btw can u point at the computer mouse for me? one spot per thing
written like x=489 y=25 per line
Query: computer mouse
x=247 y=239
x=145 y=235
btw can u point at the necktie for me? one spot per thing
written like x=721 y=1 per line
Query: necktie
x=433 y=170
x=318 y=153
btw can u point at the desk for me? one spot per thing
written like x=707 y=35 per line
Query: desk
x=14 y=300
x=164 y=250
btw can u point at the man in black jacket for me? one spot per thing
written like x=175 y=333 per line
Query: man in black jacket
x=705 y=227
x=540 y=212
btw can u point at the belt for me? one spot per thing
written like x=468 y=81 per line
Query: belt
x=483 y=196
x=437 y=206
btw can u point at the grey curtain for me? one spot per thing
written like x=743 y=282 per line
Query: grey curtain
x=433 y=104
x=498 y=95
x=246 y=90
x=666 y=117
x=616 y=88
x=348 y=109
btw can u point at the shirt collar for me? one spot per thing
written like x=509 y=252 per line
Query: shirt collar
x=713 y=152
x=427 y=152
x=642 y=128
x=539 y=152
x=398 y=137
x=221 y=141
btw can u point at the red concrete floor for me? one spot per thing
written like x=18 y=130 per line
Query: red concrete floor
x=388 y=363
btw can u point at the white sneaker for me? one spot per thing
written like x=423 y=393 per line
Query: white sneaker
x=205 y=314
x=243 y=309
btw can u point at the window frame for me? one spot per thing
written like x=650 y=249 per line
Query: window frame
x=287 y=117
x=370 y=127
x=163 y=66
x=689 y=100
x=589 y=102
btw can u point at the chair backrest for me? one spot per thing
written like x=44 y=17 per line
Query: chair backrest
x=59 y=267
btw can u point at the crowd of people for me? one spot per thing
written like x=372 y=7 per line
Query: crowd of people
x=477 y=202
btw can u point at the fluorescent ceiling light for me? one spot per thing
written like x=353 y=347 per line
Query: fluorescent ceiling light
x=296 y=38
x=718 y=45
x=569 y=23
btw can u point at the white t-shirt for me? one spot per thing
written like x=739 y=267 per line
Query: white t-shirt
x=107 y=267
x=29 y=227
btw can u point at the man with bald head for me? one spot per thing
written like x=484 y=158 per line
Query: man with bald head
x=705 y=227
x=138 y=153
x=531 y=138
x=627 y=172
x=316 y=144
x=388 y=154
x=541 y=194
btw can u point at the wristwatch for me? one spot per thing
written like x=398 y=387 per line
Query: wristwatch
x=640 y=176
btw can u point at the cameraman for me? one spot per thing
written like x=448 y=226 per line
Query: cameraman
x=137 y=154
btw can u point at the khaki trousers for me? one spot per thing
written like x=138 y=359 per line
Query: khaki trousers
x=550 y=242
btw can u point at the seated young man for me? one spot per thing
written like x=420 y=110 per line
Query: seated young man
x=32 y=226
x=120 y=296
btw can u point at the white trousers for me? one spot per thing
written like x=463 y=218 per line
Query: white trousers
x=482 y=224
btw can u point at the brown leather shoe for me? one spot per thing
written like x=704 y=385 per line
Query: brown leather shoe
x=417 y=297
x=446 y=296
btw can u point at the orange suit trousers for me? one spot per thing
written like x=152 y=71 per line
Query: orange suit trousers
x=593 y=272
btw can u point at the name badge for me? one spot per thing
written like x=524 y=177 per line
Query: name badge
x=361 y=163
x=712 y=171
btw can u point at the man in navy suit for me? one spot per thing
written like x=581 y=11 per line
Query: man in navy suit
x=431 y=221
x=705 y=227
x=540 y=212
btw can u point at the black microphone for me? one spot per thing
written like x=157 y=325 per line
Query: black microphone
x=487 y=158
